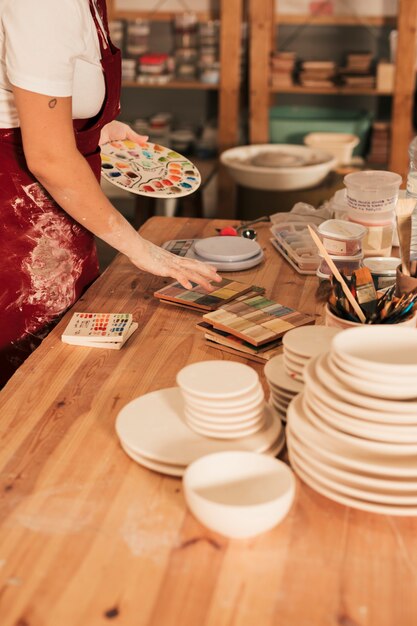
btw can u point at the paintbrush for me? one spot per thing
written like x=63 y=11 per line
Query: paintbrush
x=365 y=290
x=337 y=275
x=403 y=212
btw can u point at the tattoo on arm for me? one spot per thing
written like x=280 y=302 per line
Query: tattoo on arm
x=52 y=103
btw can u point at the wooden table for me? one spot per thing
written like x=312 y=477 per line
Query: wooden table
x=88 y=537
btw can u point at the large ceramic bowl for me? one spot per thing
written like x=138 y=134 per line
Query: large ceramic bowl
x=239 y=494
x=277 y=167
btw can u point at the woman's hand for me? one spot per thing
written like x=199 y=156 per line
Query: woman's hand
x=160 y=262
x=117 y=131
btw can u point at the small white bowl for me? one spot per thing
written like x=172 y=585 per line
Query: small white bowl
x=239 y=494
x=341 y=145
x=239 y=162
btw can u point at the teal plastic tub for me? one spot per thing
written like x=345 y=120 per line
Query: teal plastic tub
x=290 y=124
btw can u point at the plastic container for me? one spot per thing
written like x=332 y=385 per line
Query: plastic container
x=290 y=124
x=338 y=205
x=137 y=37
x=372 y=194
x=383 y=270
x=412 y=192
x=345 y=264
x=341 y=145
x=378 y=239
x=342 y=238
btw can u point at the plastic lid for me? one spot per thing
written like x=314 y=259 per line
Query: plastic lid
x=355 y=257
x=372 y=180
x=341 y=229
x=386 y=265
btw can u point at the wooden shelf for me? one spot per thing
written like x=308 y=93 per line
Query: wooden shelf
x=157 y=16
x=173 y=84
x=335 y=20
x=335 y=91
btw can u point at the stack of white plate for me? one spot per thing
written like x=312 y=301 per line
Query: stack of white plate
x=153 y=431
x=223 y=399
x=302 y=344
x=283 y=387
x=352 y=433
x=284 y=372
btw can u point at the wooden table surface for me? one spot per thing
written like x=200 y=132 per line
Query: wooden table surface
x=88 y=537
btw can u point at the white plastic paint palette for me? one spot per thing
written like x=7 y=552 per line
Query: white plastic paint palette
x=149 y=169
x=294 y=243
x=229 y=254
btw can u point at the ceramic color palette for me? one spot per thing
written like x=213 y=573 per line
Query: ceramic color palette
x=188 y=248
x=105 y=327
x=198 y=298
x=257 y=320
x=149 y=169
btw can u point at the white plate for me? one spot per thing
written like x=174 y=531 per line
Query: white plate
x=358 y=442
x=380 y=348
x=376 y=495
x=149 y=170
x=362 y=505
x=247 y=402
x=356 y=457
x=360 y=480
x=225 y=419
x=336 y=387
x=309 y=341
x=217 y=433
x=224 y=424
x=153 y=426
x=280 y=395
x=379 y=415
x=389 y=389
x=294 y=358
x=285 y=393
x=282 y=406
x=371 y=376
x=227 y=249
x=359 y=427
x=275 y=374
x=222 y=267
x=218 y=380
x=162 y=468
x=292 y=366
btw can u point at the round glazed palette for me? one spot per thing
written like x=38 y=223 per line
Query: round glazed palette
x=148 y=169
x=227 y=254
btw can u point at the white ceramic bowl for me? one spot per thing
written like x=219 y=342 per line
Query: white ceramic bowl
x=239 y=163
x=340 y=145
x=239 y=494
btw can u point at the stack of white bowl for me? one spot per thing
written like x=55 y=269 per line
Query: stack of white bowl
x=222 y=399
x=284 y=372
x=352 y=433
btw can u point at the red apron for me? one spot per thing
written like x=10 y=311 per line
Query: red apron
x=48 y=259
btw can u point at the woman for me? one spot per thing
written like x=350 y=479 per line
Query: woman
x=59 y=93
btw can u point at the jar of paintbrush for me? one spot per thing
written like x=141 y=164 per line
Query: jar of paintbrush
x=406 y=278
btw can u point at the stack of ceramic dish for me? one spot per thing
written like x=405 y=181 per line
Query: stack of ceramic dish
x=352 y=434
x=153 y=430
x=284 y=373
x=222 y=399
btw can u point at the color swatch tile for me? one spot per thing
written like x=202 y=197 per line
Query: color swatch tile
x=149 y=169
x=197 y=298
x=107 y=330
x=257 y=320
x=222 y=340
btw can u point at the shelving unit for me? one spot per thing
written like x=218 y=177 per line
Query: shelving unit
x=263 y=22
x=229 y=88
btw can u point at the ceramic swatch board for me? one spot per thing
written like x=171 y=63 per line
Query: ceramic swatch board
x=198 y=298
x=149 y=169
x=257 y=320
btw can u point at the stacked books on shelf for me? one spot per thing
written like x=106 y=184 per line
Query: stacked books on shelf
x=317 y=74
x=358 y=71
x=252 y=326
x=282 y=69
x=99 y=330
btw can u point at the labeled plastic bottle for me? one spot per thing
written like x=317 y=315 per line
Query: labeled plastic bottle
x=412 y=192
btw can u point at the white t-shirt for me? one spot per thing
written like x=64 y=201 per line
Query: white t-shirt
x=50 y=47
